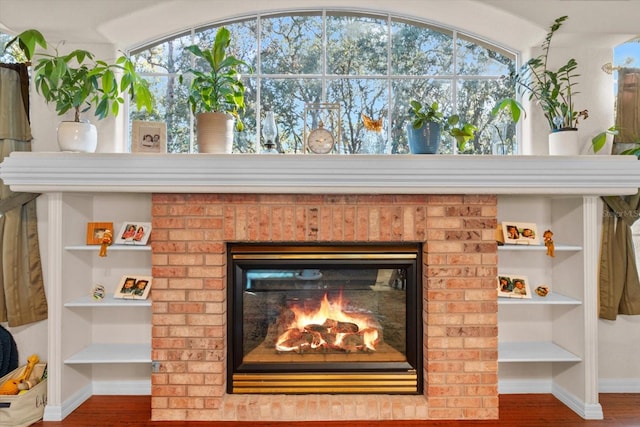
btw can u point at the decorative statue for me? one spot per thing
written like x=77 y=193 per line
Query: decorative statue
x=107 y=239
x=548 y=242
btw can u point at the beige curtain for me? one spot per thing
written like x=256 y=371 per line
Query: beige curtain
x=619 y=282
x=628 y=105
x=22 y=296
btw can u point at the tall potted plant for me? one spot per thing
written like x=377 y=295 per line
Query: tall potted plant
x=78 y=81
x=553 y=90
x=427 y=125
x=216 y=96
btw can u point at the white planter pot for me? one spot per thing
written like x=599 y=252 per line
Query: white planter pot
x=77 y=136
x=215 y=133
x=565 y=143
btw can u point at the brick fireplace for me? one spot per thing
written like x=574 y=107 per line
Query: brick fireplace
x=190 y=233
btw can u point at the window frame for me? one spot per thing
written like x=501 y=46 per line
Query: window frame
x=455 y=78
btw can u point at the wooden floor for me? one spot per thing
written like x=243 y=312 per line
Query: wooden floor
x=539 y=410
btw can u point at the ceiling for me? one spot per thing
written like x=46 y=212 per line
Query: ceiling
x=60 y=19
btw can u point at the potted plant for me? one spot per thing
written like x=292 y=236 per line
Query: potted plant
x=553 y=91
x=78 y=81
x=428 y=124
x=514 y=111
x=216 y=96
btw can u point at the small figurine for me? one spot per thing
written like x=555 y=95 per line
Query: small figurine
x=542 y=290
x=107 y=239
x=548 y=242
x=98 y=292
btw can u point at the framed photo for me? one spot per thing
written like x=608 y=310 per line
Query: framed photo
x=520 y=233
x=133 y=233
x=95 y=232
x=513 y=286
x=148 y=137
x=133 y=287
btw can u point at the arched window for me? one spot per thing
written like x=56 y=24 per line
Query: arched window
x=369 y=64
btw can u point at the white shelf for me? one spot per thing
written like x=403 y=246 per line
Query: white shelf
x=108 y=301
x=551 y=299
x=96 y=248
x=558 y=248
x=112 y=353
x=535 y=351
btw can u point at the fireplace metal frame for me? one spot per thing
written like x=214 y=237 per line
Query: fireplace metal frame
x=340 y=377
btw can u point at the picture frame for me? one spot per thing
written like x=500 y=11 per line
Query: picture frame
x=133 y=287
x=520 y=233
x=133 y=233
x=95 y=232
x=148 y=137
x=513 y=286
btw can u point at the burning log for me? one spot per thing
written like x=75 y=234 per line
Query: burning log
x=329 y=328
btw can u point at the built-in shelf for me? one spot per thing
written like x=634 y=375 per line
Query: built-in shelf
x=96 y=248
x=558 y=248
x=108 y=301
x=551 y=299
x=535 y=351
x=112 y=353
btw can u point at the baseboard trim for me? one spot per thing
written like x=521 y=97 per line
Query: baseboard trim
x=58 y=413
x=588 y=411
x=524 y=387
x=115 y=388
x=619 y=385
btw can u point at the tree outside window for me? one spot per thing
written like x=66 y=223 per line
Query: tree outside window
x=370 y=64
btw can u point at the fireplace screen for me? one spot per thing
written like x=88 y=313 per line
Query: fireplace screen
x=324 y=319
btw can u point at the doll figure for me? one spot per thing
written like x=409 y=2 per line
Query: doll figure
x=548 y=242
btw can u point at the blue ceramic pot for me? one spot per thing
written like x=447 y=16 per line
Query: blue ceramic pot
x=425 y=140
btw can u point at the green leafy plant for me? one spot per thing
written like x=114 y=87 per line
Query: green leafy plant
x=452 y=125
x=552 y=90
x=78 y=81
x=511 y=108
x=634 y=150
x=220 y=89
x=600 y=139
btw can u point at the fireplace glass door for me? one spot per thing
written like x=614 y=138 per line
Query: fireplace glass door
x=325 y=319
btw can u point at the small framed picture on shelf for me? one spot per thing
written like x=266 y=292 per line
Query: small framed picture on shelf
x=520 y=233
x=96 y=230
x=133 y=233
x=148 y=137
x=513 y=286
x=133 y=287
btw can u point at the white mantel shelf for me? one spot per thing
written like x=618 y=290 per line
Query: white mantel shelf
x=330 y=174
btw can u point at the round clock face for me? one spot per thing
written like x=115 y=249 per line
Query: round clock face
x=320 y=141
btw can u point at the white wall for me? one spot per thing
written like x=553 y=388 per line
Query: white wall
x=593 y=29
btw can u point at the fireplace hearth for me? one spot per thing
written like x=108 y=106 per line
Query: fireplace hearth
x=324 y=319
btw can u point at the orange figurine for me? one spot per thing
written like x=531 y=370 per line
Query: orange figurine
x=548 y=242
x=107 y=239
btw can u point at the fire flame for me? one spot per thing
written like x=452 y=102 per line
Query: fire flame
x=329 y=327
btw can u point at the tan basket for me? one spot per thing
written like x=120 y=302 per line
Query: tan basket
x=22 y=410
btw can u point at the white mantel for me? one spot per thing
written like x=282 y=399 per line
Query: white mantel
x=329 y=174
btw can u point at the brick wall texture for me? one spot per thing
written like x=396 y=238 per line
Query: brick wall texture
x=189 y=318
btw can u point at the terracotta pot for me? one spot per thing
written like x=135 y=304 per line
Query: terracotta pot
x=77 y=136
x=214 y=132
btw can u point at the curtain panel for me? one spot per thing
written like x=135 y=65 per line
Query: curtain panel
x=619 y=282
x=22 y=295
